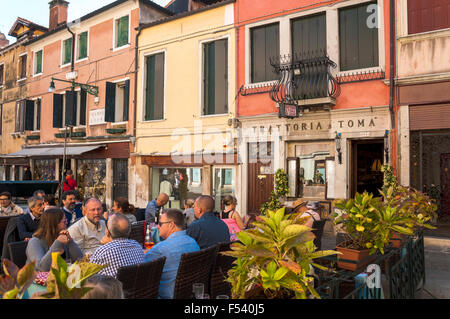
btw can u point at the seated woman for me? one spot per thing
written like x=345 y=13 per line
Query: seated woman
x=121 y=205
x=52 y=236
x=231 y=217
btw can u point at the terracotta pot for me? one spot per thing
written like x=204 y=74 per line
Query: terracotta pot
x=360 y=258
x=397 y=240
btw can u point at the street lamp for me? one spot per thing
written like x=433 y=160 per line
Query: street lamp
x=91 y=89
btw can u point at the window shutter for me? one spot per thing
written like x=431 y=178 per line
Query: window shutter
x=38 y=114
x=272 y=50
x=110 y=103
x=150 y=89
x=83 y=103
x=71 y=108
x=154 y=91
x=265 y=45
x=83 y=46
x=29 y=115
x=67 y=51
x=122 y=31
x=23 y=67
x=57 y=110
x=209 y=54
x=221 y=77
x=126 y=100
x=39 y=62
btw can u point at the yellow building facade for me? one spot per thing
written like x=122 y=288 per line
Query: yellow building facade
x=185 y=141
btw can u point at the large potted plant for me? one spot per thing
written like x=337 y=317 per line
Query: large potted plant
x=274 y=259
x=368 y=225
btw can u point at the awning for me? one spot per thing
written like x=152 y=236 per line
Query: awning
x=54 y=151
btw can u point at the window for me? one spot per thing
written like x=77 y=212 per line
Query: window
x=309 y=35
x=69 y=108
x=117 y=101
x=357 y=40
x=215 y=77
x=44 y=170
x=91 y=178
x=2 y=71
x=38 y=62
x=82 y=46
x=22 y=67
x=67 y=51
x=425 y=16
x=33 y=115
x=154 y=87
x=20 y=116
x=122 y=32
x=265 y=44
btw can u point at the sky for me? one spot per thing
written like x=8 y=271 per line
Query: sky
x=37 y=11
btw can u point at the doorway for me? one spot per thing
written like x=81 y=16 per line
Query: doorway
x=367 y=159
x=120 y=178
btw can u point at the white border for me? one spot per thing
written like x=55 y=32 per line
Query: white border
x=34 y=63
x=201 y=74
x=144 y=83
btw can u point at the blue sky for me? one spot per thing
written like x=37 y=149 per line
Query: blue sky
x=37 y=11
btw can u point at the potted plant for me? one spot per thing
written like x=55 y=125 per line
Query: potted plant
x=368 y=224
x=274 y=259
x=278 y=194
x=15 y=281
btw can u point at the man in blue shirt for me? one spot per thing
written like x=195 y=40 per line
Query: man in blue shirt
x=154 y=206
x=208 y=230
x=170 y=226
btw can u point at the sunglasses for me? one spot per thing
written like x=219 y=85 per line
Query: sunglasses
x=162 y=223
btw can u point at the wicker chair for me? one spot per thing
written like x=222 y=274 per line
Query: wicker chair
x=141 y=281
x=194 y=267
x=3 y=224
x=318 y=226
x=138 y=232
x=17 y=251
x=221 y=265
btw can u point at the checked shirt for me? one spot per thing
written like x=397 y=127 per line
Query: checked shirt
x=120 y=252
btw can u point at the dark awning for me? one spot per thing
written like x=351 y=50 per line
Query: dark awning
x=54 y=151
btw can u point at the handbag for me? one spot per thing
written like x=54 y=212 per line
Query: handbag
x=233 y=228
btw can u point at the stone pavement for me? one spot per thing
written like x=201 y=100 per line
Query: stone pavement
x=437 y=264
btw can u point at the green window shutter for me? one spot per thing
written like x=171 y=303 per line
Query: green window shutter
x=265 y=44
x=67 y=51
x=209 y=79
x=83 y=106
x=57 y=110
x=122 y=31
x=71 y=108
x=29 y=115
x=38 y=62
x=83 y=45
x=126 y=100
x=38 y=115
x=110 y=102
x=154 y=90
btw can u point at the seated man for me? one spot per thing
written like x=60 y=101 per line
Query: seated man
x=68 y=201
x=176 y=243
x=118 y=251
x=28 y=223
x=7 y=207
x=208 y=230
x=88 y=231
x=153 y=207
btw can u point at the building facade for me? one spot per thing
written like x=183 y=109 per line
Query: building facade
x=186 y=92
x=313 y=98
x=423 y=80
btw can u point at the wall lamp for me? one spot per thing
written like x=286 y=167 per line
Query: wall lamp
x=386 y=146
x=338 y=146
x=91 y=89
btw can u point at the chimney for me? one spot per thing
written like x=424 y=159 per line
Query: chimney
x=58 y=13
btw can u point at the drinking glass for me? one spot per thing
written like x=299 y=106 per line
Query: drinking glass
x=222 y=297
x=205 y=296
x=198 y=289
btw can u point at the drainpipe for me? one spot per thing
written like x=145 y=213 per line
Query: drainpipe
x=72 y=66
x=392 y=72
x=136 y=66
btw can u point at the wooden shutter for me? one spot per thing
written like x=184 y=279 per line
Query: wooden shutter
x=309 y=34
x=154 y=91
x=38 y=62
x=122 y=31
x=110 y=103
x=23 y=67
x=71 y=108
x=38 y=114
x=358 y=43
x=425 y=16
x=57 y=110
x=29 y=115
x=209 y=79
x=83 y=103
x=67 y=51
x=126 y=100
x=82 y=50
x=220 y=77
x=265 y=42
x=429 y=117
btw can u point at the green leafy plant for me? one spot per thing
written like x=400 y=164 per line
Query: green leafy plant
x=389 y=178
x=67 y=282
x=281 y=190
x=274 y=258
x=15 y=281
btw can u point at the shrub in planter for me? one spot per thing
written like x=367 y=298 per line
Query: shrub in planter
x=274 y=258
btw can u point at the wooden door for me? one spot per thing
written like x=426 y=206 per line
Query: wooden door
x=120 y=178
x=445 y=181
x=260 y=176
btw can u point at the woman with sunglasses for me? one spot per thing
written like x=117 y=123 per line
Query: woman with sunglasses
x=52 y=236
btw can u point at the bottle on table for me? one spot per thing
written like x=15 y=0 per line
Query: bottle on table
x=148 y=243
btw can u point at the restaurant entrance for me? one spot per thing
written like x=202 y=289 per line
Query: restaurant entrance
x=366 y=162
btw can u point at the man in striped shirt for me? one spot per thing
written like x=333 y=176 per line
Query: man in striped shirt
x=118 y=251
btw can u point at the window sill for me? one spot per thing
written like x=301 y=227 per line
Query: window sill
x=65 y=65
x=424 y=35
x=82 y=60
x=37 y=74
x=21 y=80
x=152 y=121
x=213 y=115
x=259 y=84
x=122 y=47
x=377 y=69
x=118 y=124
x=17 y=134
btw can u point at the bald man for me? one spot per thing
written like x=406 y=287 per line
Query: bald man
x=208 y=230
x=118 y=251
x=153 y=208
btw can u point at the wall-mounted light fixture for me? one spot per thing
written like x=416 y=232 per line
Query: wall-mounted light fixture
x=338 y=146
x=386 y=146
x=91 y=89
